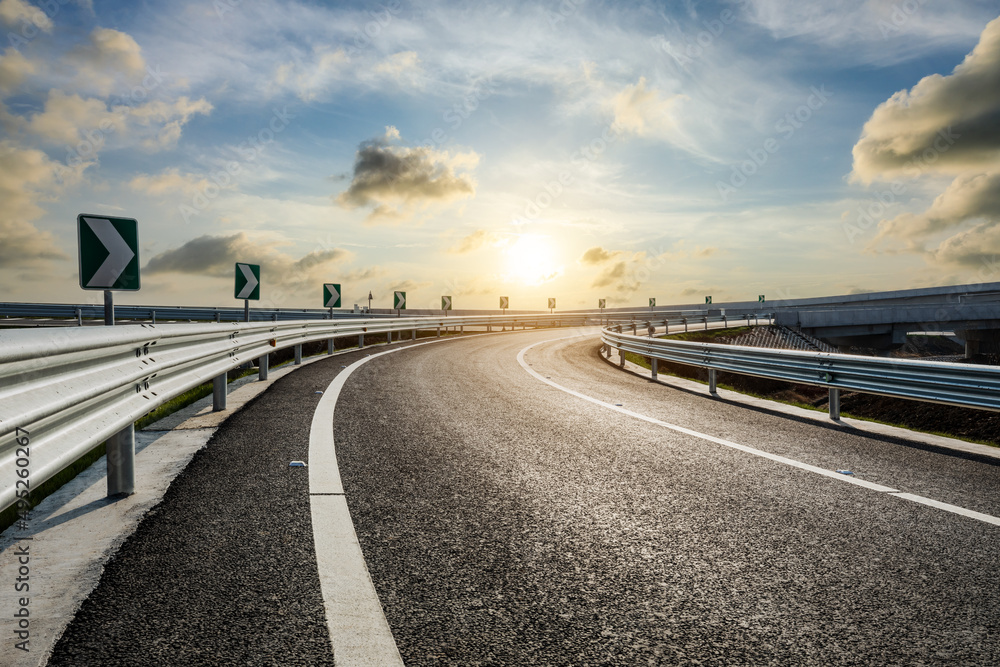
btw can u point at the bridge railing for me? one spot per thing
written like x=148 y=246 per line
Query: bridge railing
x=964 y=385
x=64 y=390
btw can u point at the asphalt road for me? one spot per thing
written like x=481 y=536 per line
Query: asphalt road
x=507 y=522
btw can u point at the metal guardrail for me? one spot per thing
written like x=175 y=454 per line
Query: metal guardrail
x=964 y=385
x=64 y=390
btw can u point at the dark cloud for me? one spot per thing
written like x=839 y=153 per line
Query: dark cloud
x=396 y=180
x=943 y=124
x=216 y=256
x=472 y=242
x=598 y=255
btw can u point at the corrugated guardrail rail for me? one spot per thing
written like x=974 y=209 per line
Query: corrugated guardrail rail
x=64 y=390
x=965 y=385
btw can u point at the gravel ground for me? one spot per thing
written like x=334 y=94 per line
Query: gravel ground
x=505 y=523
x=223 y=571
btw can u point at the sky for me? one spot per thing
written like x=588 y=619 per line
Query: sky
x=576 y=149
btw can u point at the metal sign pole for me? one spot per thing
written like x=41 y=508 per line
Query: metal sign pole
x=246 y=310
x=109 y=308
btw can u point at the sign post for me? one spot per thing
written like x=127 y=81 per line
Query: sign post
x=331 y=296
x=247 y=286
x=601 y=303
x=109 y=256
x=399 y=301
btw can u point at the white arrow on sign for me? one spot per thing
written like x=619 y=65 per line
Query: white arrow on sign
x=119 y=253
x=334 y=296
x=251 y=282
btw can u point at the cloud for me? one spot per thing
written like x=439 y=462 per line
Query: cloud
x=473 y=241
x=110 y=55
x=598 y=255
x=309 y=79
x=17 y=12
x=943 y=126
x=72 y=119
x=169 y=181
x=14 y=68
x=28 y=176
x=403 y=66
x=216 y=256
x=944 y=123
x=612 y=275
x=645 y=111
x=397 y=181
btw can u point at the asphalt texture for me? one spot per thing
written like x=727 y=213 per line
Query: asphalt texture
x=506 y=522
x=223 y=570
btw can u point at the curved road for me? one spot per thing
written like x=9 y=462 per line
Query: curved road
x=505 y=520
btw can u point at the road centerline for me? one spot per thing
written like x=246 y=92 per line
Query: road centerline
x=830 y=474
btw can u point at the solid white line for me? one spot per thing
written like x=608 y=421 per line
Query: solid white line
x=359 y=631
x=955 y=509
x=756 y=452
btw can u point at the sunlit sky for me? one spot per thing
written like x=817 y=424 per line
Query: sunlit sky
x=575 y=149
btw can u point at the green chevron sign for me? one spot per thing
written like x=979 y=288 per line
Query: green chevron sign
x=552 y=303
x=708 y=300
x=331 y=295
x=399 y=300
x=109 y=252
x=504 y=302
x=247 y=281
x=760 y=298
x=446 y=303
x=601 y=303
x=652 y=303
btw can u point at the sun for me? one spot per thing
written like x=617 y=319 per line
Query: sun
x=531 y=260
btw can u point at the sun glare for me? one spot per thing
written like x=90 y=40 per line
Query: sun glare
x=531 y=260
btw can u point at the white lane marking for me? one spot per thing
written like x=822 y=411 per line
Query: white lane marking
x=757 y=452
x=359 y=631
x=955 y=509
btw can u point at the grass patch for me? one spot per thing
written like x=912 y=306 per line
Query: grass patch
x=9 y=516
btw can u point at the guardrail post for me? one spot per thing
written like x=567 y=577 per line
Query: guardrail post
x=329 y=346
x=712 y=378
x=685 y=324
x=621 y=358
x=835 y=403
x=361 y=340
x=488 y=328
x=706 y=322
x=79 y=317
x=461 y=329
x=298 y=354
x=262 y=367
x=219 y=393
x=634 y=328
x=121 y=462
x=152 y=316
x=654 y=365
x=439 y=332
x=388 y=337
x=414 y=335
